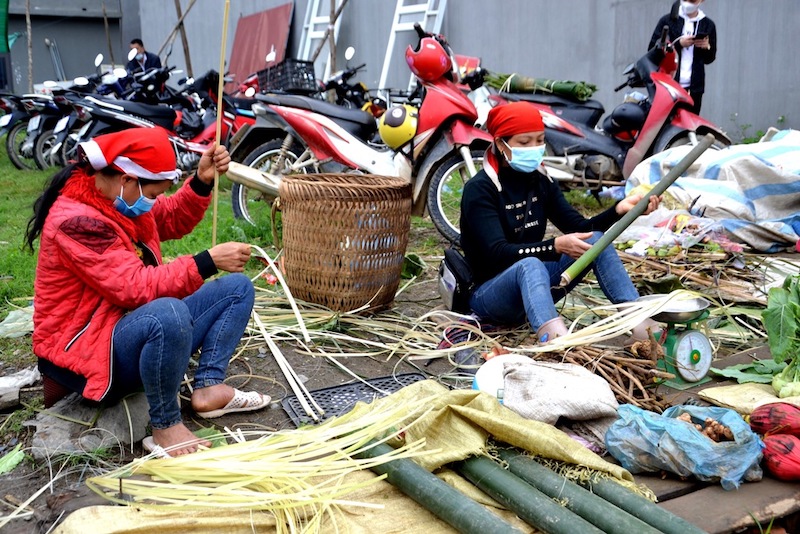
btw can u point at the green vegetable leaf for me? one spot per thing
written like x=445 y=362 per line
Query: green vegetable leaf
x=759 y=371
x=413 y=266
x=11 y=459
x=781 y=319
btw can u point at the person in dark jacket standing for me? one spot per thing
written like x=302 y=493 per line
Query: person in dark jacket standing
x=695 y=37
x=505 y=209
x=144 y=60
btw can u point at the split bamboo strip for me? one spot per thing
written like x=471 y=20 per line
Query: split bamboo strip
x=286 y=290
x=303 y=395
x=630 y=314
x=283 y=471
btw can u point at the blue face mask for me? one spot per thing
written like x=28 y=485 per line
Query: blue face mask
x=526 y=159
x=140 y=207
x=139 y=56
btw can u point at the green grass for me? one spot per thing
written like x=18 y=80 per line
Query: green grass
x=17 y=265
x=19 y=190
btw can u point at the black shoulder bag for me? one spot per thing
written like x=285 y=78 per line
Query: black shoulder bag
x=455 y=281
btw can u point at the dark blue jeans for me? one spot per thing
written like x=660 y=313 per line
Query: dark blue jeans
x=152 y=344
x=523 y=290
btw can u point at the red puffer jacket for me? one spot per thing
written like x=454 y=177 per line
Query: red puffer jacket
x=89 y=275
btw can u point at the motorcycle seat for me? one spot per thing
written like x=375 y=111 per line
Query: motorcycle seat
x=356 y=121
x=163 y=116
x=333 y=111
x=587 y=112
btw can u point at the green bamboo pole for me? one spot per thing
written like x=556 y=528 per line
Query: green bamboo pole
x=441 y=499
x=607 y=238
x=531 y=505
x=638 y=506
x=583 y=502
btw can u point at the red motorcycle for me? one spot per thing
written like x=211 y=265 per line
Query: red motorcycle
x=436 y=147
x=580 y=155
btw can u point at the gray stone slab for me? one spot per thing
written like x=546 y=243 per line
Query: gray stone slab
x=74 y=425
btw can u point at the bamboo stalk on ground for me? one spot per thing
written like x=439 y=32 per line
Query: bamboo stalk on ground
x=589 y=506
x=530 y=504
x=438 y=497
x=638 y=506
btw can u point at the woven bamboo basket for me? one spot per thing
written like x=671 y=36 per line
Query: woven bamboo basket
x=344 y=238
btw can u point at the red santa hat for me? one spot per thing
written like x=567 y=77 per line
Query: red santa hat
x=141 y=152
x=514 y=118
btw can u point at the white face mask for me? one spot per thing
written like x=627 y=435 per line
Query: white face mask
x=689 y=8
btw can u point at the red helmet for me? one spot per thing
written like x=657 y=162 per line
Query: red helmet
x=430 y=61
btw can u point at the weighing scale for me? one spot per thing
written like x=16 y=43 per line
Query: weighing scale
x=687 y=351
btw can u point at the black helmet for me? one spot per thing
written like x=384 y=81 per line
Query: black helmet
x=628 y=116
x=625 y=121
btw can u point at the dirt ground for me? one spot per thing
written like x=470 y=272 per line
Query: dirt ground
x=68 y=492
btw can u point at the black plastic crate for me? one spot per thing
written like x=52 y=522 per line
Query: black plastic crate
x=339 y=400
x=290 y=76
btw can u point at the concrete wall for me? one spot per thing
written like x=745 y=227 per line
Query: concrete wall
x=77 y=29
x=754 y=81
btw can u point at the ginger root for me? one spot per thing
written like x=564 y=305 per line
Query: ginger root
x=711 y=428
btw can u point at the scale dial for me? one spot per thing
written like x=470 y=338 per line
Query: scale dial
x=692 y=355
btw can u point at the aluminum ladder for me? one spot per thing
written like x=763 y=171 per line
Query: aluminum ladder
x=429 y=15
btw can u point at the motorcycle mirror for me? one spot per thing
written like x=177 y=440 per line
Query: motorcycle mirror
x=81 y=81
x=119 y=72
x=271 y=56
x=49 y=84
x=349 y=53
x=250 y=92
x=98 y=59
x=132 y=54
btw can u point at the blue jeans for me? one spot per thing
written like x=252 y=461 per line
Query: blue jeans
x=523 y=290
x=153 y=343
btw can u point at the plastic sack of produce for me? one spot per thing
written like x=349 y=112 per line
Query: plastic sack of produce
x=644 y=441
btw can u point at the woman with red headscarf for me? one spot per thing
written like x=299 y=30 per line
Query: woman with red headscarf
x=111 y=317
x=505 y=209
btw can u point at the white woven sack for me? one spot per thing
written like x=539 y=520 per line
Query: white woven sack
x=545 y=391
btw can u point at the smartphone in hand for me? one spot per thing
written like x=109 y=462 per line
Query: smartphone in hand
x=700 y=36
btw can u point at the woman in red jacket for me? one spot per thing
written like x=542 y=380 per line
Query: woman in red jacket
x=110 y=317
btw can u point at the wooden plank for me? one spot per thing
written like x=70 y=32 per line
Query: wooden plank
x=720 y=512
x=669 y=487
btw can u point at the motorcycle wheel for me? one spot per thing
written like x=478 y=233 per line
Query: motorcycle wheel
x=44 y=143
x=444 y=193
x=16 y=136
x=69 y=148
x=250 y=204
